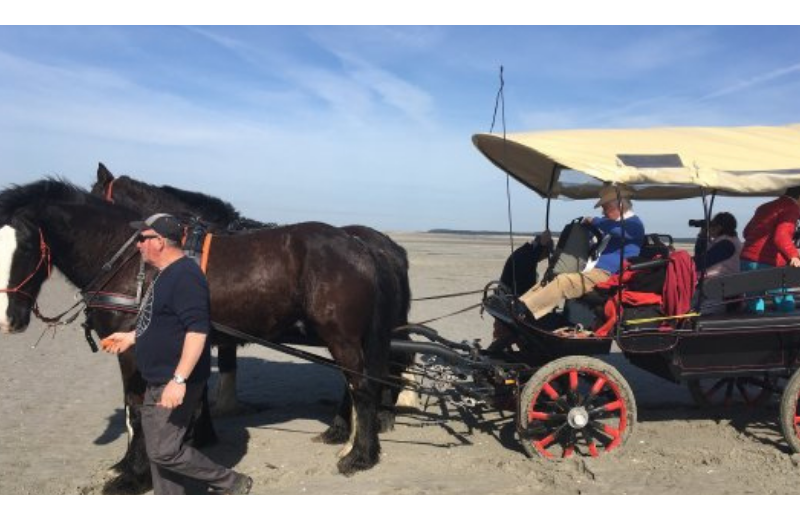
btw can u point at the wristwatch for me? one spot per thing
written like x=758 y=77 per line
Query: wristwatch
x=179 y=379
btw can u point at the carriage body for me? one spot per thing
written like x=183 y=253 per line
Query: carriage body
x=571 y=401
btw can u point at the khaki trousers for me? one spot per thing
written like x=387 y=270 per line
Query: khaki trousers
x=542 y=300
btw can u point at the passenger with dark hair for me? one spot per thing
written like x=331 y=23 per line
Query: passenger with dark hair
x=719 y=257
x=724 y=247
x=769 y=242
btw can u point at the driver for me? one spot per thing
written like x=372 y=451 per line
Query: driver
x=541 y=300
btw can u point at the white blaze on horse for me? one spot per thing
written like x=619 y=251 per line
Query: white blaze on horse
x=8 y=245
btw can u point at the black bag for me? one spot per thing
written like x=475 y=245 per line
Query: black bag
x=577 y=244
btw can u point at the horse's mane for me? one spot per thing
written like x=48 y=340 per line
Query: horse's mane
x=41 y=193
x=210 y=206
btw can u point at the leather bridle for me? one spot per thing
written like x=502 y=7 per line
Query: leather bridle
x=44 y=261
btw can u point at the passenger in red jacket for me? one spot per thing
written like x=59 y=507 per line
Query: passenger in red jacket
x=769 y=243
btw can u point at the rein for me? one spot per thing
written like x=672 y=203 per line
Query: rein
x=443 y=296
x=451 y=295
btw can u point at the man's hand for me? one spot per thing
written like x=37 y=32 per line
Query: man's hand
x=118 y=342
x=172 y=396
x=795 y=262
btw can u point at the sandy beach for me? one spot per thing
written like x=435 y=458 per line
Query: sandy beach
x=63 y=424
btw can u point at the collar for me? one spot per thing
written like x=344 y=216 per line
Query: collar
x=628 y=214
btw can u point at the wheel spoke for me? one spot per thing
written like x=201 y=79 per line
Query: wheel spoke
x=740 y=385
x=542 y=445
x=714 y=389
x=569 y=448
x=540 y=416
x=597 y=431
x=616 y=405
x=550 y=391
x=597 y=386
x=729 y=392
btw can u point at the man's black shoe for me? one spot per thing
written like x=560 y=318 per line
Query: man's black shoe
x=241 y=485
x=522 y=312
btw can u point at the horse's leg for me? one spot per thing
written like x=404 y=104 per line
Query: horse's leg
x=362 y=450
x=225 y=402
x=132 y=473
x=397 y=395
x=406 y=397
x=201 y=430
x=339 y=430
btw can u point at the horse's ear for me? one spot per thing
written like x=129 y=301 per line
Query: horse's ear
x=103 y=175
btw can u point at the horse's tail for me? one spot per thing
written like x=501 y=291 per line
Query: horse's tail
x=401 y=274
x=378 y=339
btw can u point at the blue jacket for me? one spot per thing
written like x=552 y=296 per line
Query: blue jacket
x=631 y=243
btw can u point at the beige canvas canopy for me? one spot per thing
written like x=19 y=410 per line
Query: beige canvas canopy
x=658 y=163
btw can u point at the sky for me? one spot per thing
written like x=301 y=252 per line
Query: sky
x=371 y=124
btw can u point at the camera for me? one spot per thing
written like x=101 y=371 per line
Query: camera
x=697 y=222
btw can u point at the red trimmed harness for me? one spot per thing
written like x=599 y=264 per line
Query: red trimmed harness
x=44 y=259
x=110 y=191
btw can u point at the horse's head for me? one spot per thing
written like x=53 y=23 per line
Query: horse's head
x=24 y=266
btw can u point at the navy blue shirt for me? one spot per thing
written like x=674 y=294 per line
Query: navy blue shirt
x=177 y=302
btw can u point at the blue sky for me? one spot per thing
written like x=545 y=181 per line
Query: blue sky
x=370 y=125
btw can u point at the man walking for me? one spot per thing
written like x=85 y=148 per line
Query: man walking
x=173 y=355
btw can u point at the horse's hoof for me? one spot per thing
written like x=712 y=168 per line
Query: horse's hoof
x=337 y=433
x=332 y=436
x=386 y=420
x=354 y=462
x=408 y=400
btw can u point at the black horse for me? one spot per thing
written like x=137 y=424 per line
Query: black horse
x=261 y=283
x=221 y=216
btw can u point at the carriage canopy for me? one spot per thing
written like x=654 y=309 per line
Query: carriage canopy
x=658 y=163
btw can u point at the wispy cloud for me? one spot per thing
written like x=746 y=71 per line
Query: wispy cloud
x=350 y=85
x=755 y=81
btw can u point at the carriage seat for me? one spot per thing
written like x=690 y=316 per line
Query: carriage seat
x=732 y=285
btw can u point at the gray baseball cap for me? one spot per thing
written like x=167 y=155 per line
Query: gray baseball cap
x=162 y=223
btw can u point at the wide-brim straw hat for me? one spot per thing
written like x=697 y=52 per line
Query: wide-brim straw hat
x=608 y=193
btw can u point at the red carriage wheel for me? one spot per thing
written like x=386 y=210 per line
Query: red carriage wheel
x=790 y=412
x=575 y=405
x=731 y=391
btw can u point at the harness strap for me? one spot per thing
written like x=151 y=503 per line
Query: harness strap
x=206 y=252
x=108 y=265
x=110 y=191
x=111 y=301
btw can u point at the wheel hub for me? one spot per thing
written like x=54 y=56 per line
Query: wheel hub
x=578 y=417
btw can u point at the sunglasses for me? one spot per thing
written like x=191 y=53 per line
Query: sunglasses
x=144 y=238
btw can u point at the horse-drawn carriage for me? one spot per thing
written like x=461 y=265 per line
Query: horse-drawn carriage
x=568 y=400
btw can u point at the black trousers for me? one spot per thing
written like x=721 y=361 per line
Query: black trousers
x=171 y=461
